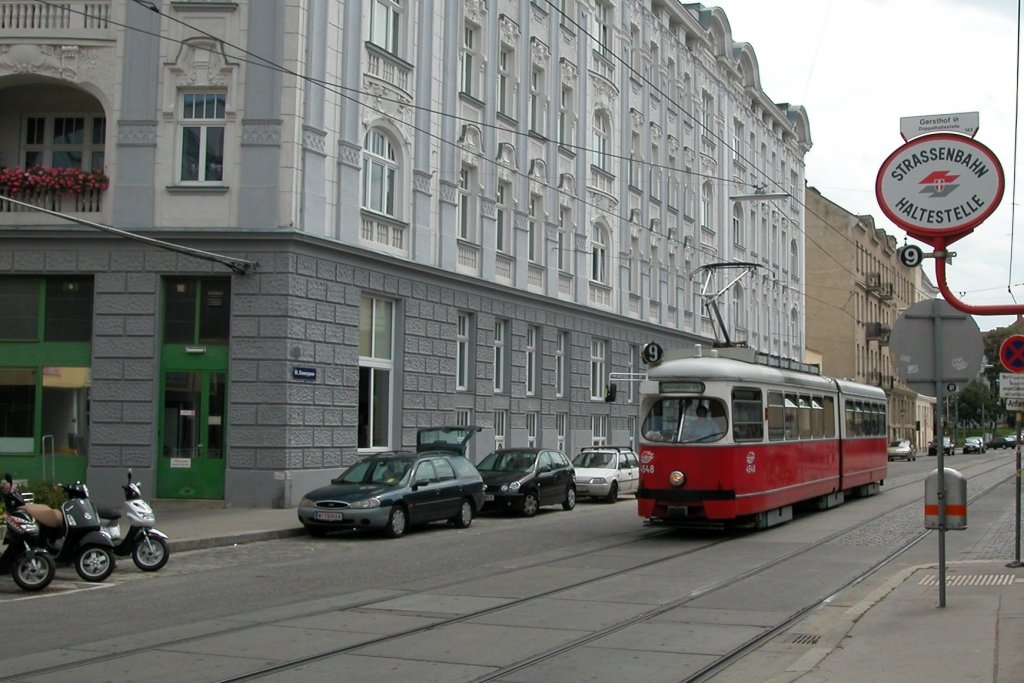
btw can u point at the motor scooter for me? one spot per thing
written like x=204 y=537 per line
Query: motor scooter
x=146 y=544
x=31 y=566
x=73 y=533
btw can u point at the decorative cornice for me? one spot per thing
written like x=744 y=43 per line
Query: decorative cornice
x=136 y=133
x=261 y=132
x=314 y=140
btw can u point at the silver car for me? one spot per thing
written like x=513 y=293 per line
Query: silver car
x=606 y=472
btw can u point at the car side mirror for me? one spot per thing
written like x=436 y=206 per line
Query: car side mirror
x=422 y=481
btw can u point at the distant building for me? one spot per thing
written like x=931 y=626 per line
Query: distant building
x=856 y=289
x=411 y=213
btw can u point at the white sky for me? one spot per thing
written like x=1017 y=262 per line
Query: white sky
x=857 y=67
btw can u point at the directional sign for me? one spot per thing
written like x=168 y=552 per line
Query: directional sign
x=1011 y=353
x=941 y=185
x=1011 y=386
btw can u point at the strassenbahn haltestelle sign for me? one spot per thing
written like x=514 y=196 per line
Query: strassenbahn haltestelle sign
x=940 y=185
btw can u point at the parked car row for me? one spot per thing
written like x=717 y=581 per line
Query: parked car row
x=1008 y=441
x=390 y=492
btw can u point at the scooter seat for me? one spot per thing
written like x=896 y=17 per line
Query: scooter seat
x=108 y=513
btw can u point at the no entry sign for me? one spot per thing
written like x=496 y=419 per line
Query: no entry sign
x=1011 y=353
x=940 y=186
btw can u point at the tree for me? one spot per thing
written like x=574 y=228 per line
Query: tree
x=979 y=405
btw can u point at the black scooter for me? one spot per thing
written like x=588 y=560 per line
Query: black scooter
x=73 y=534
x=31 y=566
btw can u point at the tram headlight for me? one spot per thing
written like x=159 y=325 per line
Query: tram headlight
x=677 y=478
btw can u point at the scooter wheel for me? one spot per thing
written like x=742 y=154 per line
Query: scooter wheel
x=150 y=553
x=34 y=572
x=94 y=563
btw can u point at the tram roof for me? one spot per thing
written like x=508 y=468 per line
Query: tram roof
x=747 y=365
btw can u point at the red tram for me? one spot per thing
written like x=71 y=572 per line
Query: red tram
x=733 y=436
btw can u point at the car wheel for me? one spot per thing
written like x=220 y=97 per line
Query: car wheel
x=465 y=516
x=570 y=498
x=397 y=522
x=316 y=531
x=613 y=493
x=530 y=504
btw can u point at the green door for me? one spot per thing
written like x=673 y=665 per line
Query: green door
x=191 y=433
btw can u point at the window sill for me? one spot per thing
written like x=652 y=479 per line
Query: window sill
x=197 y=189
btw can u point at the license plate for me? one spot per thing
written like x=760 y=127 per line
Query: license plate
x=488 y=498
x=329 y=516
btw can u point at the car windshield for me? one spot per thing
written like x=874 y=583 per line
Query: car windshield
x=508 y=461
x=389 y=471
x=685 y=420
x=594 y=459
x=896 y=444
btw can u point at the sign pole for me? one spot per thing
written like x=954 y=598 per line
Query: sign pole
x=1016 y=527
x=940 y=447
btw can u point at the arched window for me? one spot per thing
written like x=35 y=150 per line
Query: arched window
x=794 y=259
x=706 y=203
x=601 y=139
x=737 y=224
x=599 y=255
x=380 y=173
x=739 y=308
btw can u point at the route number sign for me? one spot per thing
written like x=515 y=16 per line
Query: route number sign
x=911 y=255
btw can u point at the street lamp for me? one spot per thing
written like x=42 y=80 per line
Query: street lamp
x=761 y=192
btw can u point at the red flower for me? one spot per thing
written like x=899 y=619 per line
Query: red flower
x=47 y=178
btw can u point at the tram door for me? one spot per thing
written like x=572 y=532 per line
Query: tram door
x=191 y=462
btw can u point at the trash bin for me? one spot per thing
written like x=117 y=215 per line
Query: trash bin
x=956 y=500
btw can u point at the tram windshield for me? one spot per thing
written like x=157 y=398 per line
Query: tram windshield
x=686 y=420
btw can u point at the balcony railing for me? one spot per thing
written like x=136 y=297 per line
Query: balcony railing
x=67 y=19
x=87 y=201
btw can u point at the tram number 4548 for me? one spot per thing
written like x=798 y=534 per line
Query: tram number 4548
x=647 y=469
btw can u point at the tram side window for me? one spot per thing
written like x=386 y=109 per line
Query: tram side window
x=805 y=417
x=817 y=418
x=747 y=415
x=792 y=426
x=829 y=405
x=776 y=416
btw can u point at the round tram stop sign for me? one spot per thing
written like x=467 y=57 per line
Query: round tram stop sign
x=940 y=186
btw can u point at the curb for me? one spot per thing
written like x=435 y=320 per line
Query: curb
x=232 y=539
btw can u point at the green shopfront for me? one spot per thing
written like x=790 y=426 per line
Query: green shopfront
x=46 y=372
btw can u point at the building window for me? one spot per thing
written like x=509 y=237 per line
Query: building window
x=376 y=368
x=739 y=308
x=599 y=255
x=598 y=355
x=532 y=420
x=463 y=417
x=635 y=161
x=202 y=138
x=503 y=222
x=500 y=423
x=506 y=81
x=500 y=329
x=602 y=29
x=737 y=140
x=467 y=204
x=565 y=116
x=599 y=430
x=197 y=310
x=601 y=140
x=65 y=141
x=794 y=259
x=563 y=246
x=385 y=24
x=538 y=103
x=380 y=173
x=737 y=224
x=462 y=352
x=531 y=360
x=561 y=362
x=706 y=204
x=535 y=229
x=471 y=59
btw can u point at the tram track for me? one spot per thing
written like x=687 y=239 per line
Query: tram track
x=703 y=591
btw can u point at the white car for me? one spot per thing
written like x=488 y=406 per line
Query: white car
x=606 y=472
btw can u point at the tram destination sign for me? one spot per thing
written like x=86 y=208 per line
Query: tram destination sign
x=940 y=185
